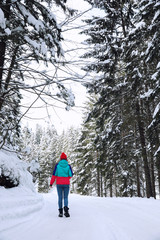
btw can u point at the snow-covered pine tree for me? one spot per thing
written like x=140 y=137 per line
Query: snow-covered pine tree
x=39 y=150
x=71 y=137
x=112 y=111
x=151 y=16
x=47 y=157
x=9 y=120
x=124 y=42
x=88 y=170
x=38 y=134
x=85 y=173
x=142 y=75
x=29 y=34
x=28 y=152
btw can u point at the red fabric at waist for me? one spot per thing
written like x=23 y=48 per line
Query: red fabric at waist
x=63 y=180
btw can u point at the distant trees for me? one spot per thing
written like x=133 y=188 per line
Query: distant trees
x=41 y=150
x=124 y=48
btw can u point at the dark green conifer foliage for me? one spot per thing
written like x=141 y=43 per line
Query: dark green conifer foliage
x=124 y=45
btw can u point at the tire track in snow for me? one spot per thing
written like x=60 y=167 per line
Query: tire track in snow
x=96 y=215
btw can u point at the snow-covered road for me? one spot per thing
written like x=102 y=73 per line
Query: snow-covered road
x=91 y=218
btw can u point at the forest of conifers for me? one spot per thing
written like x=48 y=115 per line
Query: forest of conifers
x=116 y=151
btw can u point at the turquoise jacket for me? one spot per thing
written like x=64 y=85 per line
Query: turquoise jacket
x=63 y=169
x=62 y=173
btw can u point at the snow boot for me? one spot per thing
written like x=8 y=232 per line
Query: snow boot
x=60 y=212
x=66 y=213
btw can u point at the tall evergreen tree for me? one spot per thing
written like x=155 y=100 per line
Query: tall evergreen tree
x=143 y=84
x=121 y=48
x=47 y=157
x=88 y=169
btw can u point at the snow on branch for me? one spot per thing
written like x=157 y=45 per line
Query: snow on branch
x=2 y=20
x=156 y=111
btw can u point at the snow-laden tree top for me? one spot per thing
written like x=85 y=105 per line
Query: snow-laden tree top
x=33 y=26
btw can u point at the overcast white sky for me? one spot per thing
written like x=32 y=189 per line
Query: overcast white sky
x=59 y=117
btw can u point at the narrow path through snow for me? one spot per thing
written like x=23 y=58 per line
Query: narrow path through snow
x=91 y=218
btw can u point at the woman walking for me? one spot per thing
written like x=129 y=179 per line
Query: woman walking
x=62 y=174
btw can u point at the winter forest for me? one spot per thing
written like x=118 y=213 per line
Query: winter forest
x=115 y=152
x=51 y=52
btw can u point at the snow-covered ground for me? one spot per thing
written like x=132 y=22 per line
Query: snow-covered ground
x=30 y=216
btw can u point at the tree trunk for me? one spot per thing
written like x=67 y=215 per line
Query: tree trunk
x=98 y=182
x=115 y=183
x=111 y=187
x=149 y=191
x=158 y=169
x=151 y=139
x=101 y=184
x=2 y=55
x=6 y=9
x=138 y=179
x=137 y=166
x=158 y=159
x=156 y=143
x=152 y=175
x=105 y=187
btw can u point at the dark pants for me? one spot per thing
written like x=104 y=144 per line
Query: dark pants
x=63 y=191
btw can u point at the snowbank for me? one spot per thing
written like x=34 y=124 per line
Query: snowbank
x=15 y=169
x=18 y=203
